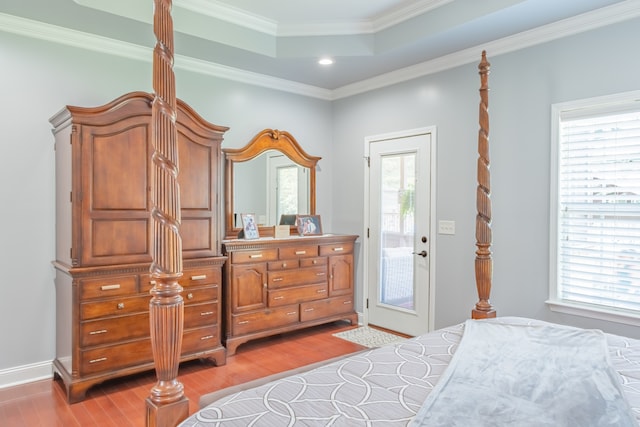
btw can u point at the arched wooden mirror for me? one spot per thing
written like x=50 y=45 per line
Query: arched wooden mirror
x=271 y=177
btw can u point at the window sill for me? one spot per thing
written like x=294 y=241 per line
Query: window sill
x=594 y=312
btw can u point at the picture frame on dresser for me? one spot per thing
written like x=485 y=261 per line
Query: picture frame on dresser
x=309 y=225
x=249 y=226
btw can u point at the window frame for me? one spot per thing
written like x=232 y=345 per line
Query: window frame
x=602 y=105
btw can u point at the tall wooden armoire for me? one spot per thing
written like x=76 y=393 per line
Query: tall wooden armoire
x=103 y=239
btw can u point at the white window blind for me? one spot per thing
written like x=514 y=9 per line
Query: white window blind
x=598 y=207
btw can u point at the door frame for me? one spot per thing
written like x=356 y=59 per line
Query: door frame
x=432 y=215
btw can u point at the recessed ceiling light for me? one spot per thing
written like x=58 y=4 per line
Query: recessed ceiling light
x=325 y=61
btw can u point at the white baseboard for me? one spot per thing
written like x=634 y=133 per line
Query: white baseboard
x=25 y=374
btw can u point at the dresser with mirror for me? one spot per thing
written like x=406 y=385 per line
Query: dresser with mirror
x=279 y=284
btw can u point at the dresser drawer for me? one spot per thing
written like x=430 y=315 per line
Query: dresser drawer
x=254 y=256
x=108 y=331
x=287 y=264
x=196 y=315
x=105 y=287
x=200 y=340
x=323 y=308
x=336 y=249
x=264 y=320
x=114 y=357
x=202 y=294
x=114 y=307
x=294 y=252
x=313 y=262
x=280 y=279
x=297 y=294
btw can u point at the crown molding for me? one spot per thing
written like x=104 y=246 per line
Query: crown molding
x=254 y=22
x=619 y=12
x=61 y=35
x=411 y=10
x=587 y=21
x=230 y=14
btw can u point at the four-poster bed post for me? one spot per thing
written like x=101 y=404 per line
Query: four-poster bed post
x=483 y=263
x=166 y=404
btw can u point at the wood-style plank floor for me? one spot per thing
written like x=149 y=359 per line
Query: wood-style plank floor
x=121 y=402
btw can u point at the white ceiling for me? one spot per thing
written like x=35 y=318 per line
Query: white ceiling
x=373 y=42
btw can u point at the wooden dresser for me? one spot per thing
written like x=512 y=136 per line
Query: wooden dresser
x=103 y=238
x=278 y=285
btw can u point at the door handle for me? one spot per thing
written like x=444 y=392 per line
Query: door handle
x=423 y=254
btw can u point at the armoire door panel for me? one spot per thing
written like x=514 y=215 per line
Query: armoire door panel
x=119 y=168
x=195 y=175
x=120 y=238
x=196 y=234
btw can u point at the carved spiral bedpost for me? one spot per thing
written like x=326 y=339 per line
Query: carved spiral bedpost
x=166 y=404
x=484 y=263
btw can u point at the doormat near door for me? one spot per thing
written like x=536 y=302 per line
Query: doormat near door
x=368 y=337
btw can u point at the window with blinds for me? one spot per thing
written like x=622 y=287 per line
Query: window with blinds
x=597 y=206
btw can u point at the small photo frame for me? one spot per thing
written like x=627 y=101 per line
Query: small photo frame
x=249 y=226
x=308 y=225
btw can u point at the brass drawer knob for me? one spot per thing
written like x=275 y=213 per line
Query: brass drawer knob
x=189 y=295
x=120 y=306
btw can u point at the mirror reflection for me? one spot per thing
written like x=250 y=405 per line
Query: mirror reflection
x=270 y=185
x=271 y=177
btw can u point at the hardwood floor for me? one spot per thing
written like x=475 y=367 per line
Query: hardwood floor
x=121 y=402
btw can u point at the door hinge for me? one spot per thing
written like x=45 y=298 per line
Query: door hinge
x=367 y=303
x=368 y=159
x=367 y=233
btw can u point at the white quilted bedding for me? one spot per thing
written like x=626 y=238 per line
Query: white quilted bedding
x=382 y=387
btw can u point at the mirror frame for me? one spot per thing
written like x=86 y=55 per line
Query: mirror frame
x=268 y=139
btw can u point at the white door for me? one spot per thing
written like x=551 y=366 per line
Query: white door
x=399 y=216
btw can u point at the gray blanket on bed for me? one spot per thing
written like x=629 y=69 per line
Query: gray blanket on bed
x=519 y=375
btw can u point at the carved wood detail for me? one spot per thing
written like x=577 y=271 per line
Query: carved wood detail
x=483 y=262
x=166 y=404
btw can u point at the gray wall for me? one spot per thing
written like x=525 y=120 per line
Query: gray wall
x=523 y=86
x=38 y=78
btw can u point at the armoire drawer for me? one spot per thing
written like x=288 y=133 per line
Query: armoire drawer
x=202 y=294
x=105 y=287
x=196 y=315
x=112 y=330
x=114 y=307
x=200 y=339
x=297 y=294
x=198 y=277
x=263 y=320
x=107 y=358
